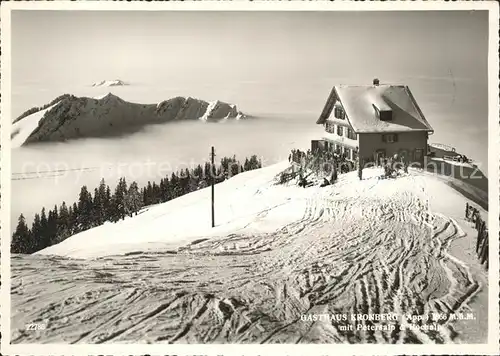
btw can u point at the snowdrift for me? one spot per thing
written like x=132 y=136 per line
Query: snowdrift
x=253 y=204
x=78 y=117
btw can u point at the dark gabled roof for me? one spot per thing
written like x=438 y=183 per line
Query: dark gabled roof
x=359 y=101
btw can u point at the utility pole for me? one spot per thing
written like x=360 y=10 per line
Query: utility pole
x=212 y=175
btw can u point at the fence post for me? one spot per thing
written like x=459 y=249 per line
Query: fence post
x=478 y=242
x=467 y=211
x=484 y=251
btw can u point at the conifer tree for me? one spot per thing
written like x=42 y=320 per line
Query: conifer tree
x=168 y=194
x=63 y=230
x=193 y=180
x=162 y=190
x=52 y=226
x=143 y=194
x=21 y=239
x=184 y=181
x=148 y=194
x=36 y=234
x=133 y=200
x=234 y=167
x=85 y=209
x=73 y=218
x=99 y=203
x=96 y=208
x=207 y=172
x=107 y=204
x=198 y=173
x=176 y=186
x=44 y=230
x=118 y=200
x=156 y=193
x=218 y=175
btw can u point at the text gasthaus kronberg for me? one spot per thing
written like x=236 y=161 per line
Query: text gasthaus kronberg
x=387 y=317
x=349 y=317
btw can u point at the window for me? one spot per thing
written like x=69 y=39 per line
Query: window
x=330 y=127
x=339 y=112
x=347 y=153
x=390 y=138
x=386 y=115
x=340 y=130
x=419 y=154
x=351 y=134
x=354 y=155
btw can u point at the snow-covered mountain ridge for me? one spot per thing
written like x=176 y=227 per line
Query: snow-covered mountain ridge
x=77 y=117
x=109 y=83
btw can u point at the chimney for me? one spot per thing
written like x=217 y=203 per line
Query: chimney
x=376 y=82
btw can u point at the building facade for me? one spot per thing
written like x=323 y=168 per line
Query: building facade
x=372 y=123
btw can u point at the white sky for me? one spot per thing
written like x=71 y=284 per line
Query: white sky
x=263 y=61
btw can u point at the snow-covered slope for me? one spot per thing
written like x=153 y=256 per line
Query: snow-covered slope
x=76 y=117
x=109 y=83
x=22 y=129
x=279 y=256
x=240 y=204
x=251 y=204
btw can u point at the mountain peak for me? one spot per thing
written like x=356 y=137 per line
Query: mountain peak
x=109 y=83
x=110 y=95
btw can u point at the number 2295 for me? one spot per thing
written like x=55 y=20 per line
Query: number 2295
x=35 y=326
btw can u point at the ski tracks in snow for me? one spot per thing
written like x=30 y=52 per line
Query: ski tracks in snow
x=370 y=251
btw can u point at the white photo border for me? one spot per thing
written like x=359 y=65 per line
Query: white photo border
x=491 y=348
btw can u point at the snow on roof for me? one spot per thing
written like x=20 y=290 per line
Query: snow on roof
x=442 y=147
x=358 y=102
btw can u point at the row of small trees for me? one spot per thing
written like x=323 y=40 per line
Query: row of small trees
x=91 y=210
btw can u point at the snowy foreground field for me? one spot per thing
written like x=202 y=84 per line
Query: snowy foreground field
x=278 y=261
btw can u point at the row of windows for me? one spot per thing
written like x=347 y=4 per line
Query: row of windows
x=390 y=138
x=349 y=133
x=340 y=130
